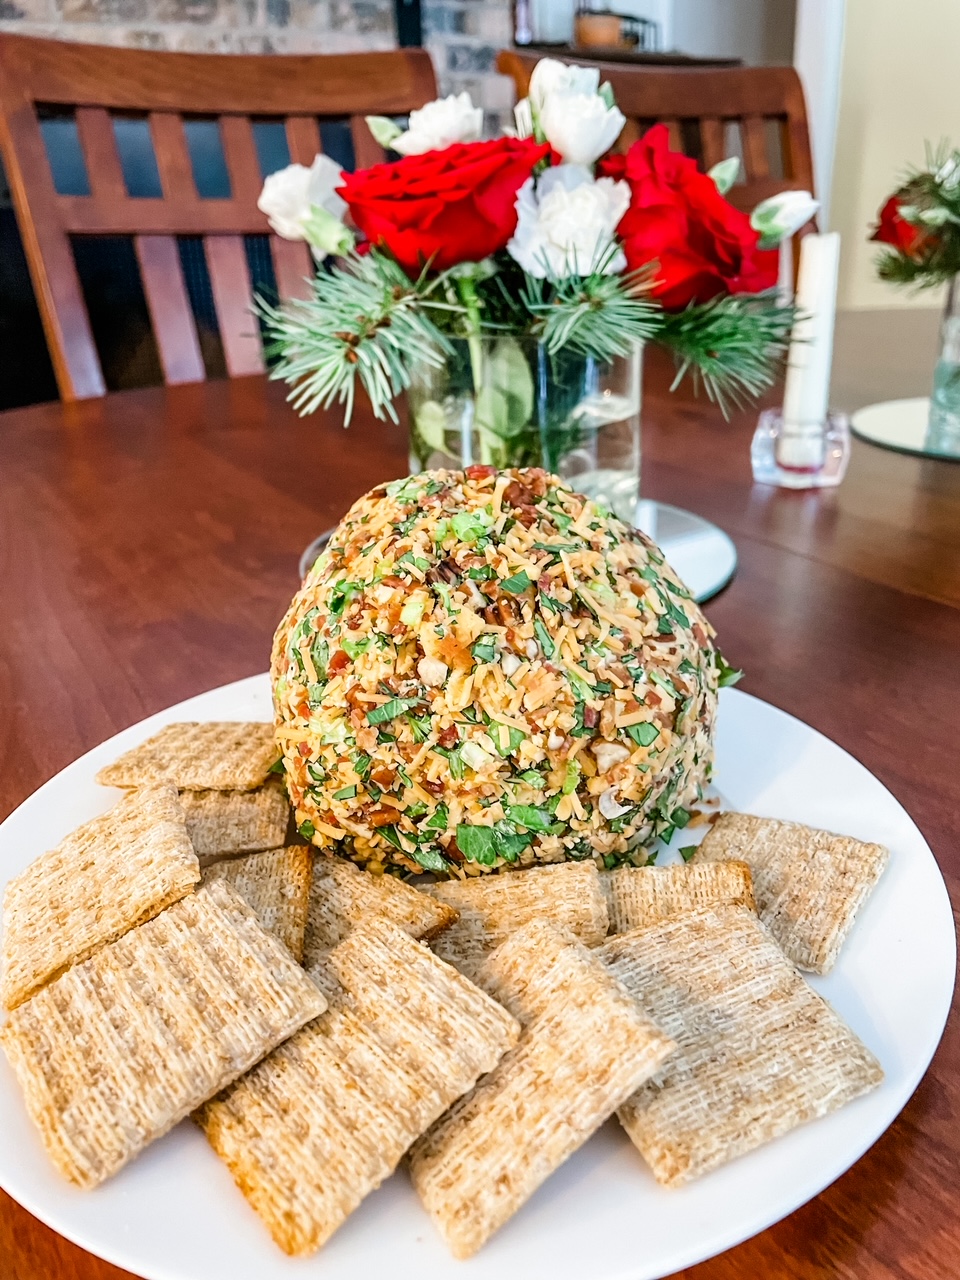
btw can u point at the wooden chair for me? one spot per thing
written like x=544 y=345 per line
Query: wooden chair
x=757 y=113
x=100 y=84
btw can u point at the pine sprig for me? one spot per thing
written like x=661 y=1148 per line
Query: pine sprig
x=733 y=345
x=365 y=319
x=930 y=201
x=597 y=315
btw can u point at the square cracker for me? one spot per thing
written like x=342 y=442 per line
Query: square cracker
x=217 y=756
x=126 y=1044
x=320 y=1123
x=108 y=876
x=224 y=822
x=492 y=907
x=638 y=896
x=809 y=884
x=759 y=1052
x=275 y=884
x=585 y=1048
x=342 y=897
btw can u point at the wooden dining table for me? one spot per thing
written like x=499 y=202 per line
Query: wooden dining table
x=148 y=547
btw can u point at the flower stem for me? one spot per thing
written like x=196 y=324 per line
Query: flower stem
x=468 y=296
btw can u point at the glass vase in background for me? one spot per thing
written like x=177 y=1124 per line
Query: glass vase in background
x=943 y=432
x=509 y=402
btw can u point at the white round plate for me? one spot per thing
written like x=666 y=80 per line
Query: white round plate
x=904 y=426
x=702 y=556
x=174 y=1213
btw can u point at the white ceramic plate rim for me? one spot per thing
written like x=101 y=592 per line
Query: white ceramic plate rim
x=601 y=1217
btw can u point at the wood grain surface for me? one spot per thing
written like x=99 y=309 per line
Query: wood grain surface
x=148 y=547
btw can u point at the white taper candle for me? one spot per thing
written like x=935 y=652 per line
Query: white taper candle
x=806 y=393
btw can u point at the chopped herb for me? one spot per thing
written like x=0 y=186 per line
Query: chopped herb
x=345 y=793
x=469 y=526
x=469 y=714
x=437 y=820
x=562 y=521
x=548 y=602
x=677 y=590
x=353 y=648
x=603 y=686
x=531 y=778
x=430 y=858
x=517 y=584
x=525 y=815
x=728 y=675
x=361 y=765
x=572 y=778
x=374 y=792
x=404 y=776
x=579 y=730
x=277 y=766
x=390 y=710
x=665 y=684
x=484 y=649
x=482 y=572
x=411 y=615
x=610 y=860
x=687 y=852
x=651 y=575
x=664 y=626
x=687 y=668
x=617 y=825
x=516 y=737
x=307 y=829
x=417 y=561
x=393 y=835
x=543 y=635
x=316 y=773
x=680 y=817
x=486 y=844
x=643 y=734
x=454 y=759
x=405 y=490
x=420 y=726
x=416 y=810
x=558 y=546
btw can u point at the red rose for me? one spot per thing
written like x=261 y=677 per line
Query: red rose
x=443 y=207
x=895 y=230
x=702 y=245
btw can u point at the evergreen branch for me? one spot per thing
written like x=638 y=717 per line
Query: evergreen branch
x=733 y=345
x=364 y=319
x=597 y=315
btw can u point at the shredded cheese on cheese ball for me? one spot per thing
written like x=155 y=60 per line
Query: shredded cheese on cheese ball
x=486 y=670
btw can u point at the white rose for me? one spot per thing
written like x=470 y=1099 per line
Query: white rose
x=580 y=125
x=523 y=118
x=291 y=195
x=566 y=223
x=440 y=124
x=782 y=215
x=550 y=76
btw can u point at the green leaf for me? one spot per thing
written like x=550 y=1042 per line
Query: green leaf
x=361 y=766
x=665 y=683
x=728 y=675
x=643 y=734
x=326 y=233
x=430 y=422
x=516 y=585
x=469 y=526
x=437 y=820
x=277 y=766
x=505 y=400
x=353 y=648
x=384 y=130
x=307 y=829
x=725 y=174
x=687 y=852
x=478 y=844
x=572 y=778
x=345 y=793
x=390 y=710
x=543 y=635
x=515 y=736
x=484 y=649
x=430 y=858
x=525 y=815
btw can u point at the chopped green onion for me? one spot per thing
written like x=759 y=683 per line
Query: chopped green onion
x=484 y=649
x=307 y=829
x=543 y=635
x=345 y=793
x=526 y=815
x=517 y=584
x=430 y=858
x=643 y=734
x=390 y=710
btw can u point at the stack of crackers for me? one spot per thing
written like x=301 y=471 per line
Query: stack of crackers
x=177 y=957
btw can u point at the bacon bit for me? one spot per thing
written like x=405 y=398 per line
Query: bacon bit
x=355 y=621
x=699 y=634
x=449 y=737
x=479 y=471
x=435 y=788
x=653 y=699
x=304 y=748
x=391 y=580
x=638 y=588
x=526 y=516
x=381 y=492
x=491 y=589
x=339 y=660
x=453 y=852
x=508 y=614
x=381 y=817
x=384 y=778
x=545 y=582
x=536 y=479
x=591 y=717
x=517 y=494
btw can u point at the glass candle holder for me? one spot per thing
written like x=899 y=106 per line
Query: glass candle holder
x=811 y=456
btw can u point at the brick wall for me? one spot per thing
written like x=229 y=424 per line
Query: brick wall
x=462 y=35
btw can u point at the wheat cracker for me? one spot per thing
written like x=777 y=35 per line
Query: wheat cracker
x=232 y=755
x=585 y=1048
x=220 y=823
x=124 y=1045
x=759 y=1051
x=318 y=1125
x=106 y=877
x=493 y=907
x=275 y=884
x=809 y=884
x=638 y=896
x=342 y=897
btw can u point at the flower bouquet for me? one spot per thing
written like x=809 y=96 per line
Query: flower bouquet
x=919 y=229
x=507 y=286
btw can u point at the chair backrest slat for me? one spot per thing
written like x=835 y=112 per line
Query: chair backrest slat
x=92 y=83
x=698 y=105
x=174 y=327
x=233 y=300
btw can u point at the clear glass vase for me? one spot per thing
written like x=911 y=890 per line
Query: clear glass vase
x=943 y=433
x=507 y=401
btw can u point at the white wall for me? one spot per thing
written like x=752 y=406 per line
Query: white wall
x=898 y=90
x=758 y=31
